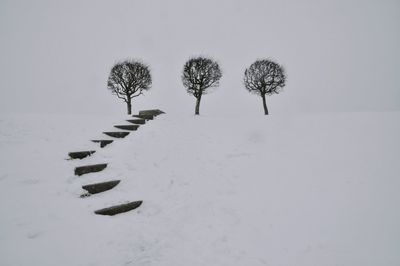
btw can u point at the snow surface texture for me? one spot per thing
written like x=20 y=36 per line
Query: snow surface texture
x=278 y=190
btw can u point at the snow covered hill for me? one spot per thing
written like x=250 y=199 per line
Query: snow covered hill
x=216 y=190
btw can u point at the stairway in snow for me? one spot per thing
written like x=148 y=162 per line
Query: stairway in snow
x=139 y=120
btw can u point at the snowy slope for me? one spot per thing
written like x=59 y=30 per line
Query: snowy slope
x=217 y=190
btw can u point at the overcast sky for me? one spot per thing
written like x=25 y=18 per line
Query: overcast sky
x=339 y=55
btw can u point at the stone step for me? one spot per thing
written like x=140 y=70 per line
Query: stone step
x=137 y=121
x=119 y=134
x=81 y=170
x=147 y=117
x=153 y=112
x=127 y=127
x=119 y=208
x=80 y=154
x=100 y=187
x=103 y=143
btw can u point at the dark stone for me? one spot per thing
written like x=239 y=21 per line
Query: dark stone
x=101 y=187
x=153 y=112
x=147 y=117
x=120 y=134
x=119 y=208
x=137 y=121
x=80 y=154
x=81 y=170
x=128 y=127
x=103 y=143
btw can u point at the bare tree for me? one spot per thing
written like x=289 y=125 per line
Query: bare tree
x=199 y=75
x=264 y=77
x=128 y=80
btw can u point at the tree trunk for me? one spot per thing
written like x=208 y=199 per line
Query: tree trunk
x=129 y=106
x=264 y=104
x=197 y=111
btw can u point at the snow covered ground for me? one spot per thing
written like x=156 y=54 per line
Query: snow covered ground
x=217 y=190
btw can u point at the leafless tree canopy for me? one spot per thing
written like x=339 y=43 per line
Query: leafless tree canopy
x=128 y=80
x=264 y=77
x=199 y=74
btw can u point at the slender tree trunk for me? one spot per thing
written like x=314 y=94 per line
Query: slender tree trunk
x=129 y=106
x=264 y=104
x=197 y=111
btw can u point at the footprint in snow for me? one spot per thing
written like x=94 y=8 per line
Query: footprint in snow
x=34 y=235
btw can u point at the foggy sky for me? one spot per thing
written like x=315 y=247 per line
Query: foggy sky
x=338 y=55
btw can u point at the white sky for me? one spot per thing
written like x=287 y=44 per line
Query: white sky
x=339 y=55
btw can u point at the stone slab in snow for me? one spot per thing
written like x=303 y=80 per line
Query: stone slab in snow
x=127 y=127
x=103 y=143
x=81 y=170
x=153 y=112
x=137 y=121
x=147 y=117
x=119 y=208
x=101 y=187
x=80 y=154
x=119 y=134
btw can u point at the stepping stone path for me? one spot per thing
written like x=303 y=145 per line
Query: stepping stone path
x=140 y=119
